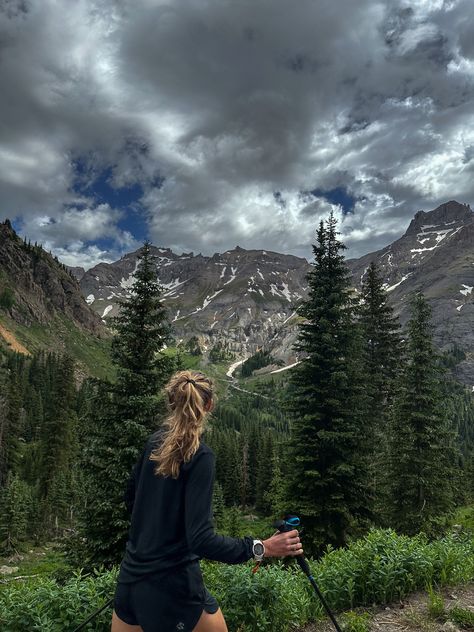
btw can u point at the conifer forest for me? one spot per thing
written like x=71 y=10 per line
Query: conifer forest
x=368 y=430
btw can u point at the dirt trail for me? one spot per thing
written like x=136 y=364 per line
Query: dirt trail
x=12 y=341
x=410 y=614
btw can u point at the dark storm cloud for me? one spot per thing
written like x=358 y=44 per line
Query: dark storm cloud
x=214 y=107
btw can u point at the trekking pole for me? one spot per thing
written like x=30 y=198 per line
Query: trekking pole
x=94 y=614
x=288 y=524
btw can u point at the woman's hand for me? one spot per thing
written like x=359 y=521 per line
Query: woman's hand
x=283 y=544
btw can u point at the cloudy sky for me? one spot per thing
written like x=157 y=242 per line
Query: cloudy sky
x=204 y=124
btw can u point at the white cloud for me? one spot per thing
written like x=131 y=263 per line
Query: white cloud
x=230 y=102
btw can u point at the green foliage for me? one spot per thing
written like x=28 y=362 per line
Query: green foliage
x=218 y=505
x=7 y=298
x=121 y=416
x=463 y=617
x=62 y=335
x=271 y=599
x=15 y=509
x=464 y=516
x=354 y=622
x=220 y=352
x=327 y=403
x=38 y=448
x=258 y=360
x=231 y=523
x=453 y=357
x=381 y=355
x=421 y=472
x=193 y=347
x=45 y=605
x=380 y=568
x=436 y=607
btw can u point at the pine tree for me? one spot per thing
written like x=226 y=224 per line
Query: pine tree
x=422 y=442
x=56 y=433
x=10 y=424
x=276 y=494
x=382 y=349
x=264 y=473
x=229 y=469
x=232 y=521
x=124 y=413
x=57 y=441
x=218 y=506
x=142 y=330
x=328 y=478
x=15 y=503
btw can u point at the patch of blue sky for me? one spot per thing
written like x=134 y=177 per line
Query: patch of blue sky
x=338 y=195
x=99 y=185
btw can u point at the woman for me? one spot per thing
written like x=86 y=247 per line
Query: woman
x=160 y=586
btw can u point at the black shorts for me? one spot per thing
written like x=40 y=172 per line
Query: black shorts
x=165 y=602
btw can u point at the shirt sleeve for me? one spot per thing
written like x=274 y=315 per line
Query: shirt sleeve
x=131 y=486
x=200 y=535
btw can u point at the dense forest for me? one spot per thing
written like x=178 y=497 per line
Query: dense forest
x=369 y=429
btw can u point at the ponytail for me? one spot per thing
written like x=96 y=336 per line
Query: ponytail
x=189 y=396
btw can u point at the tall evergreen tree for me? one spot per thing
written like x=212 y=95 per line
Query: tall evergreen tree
x=142 y=330
x=264 y=473
x=423 y=452
x=15 y=504
x=382 y=349
x=132 y=408
x=57 y=442
x=10 y=425
x=328 y=485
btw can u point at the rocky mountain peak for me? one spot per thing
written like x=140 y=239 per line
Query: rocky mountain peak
x=451 y=212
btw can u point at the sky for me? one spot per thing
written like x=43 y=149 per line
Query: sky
x=206 y=124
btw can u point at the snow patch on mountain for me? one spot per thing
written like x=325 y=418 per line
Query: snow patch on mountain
x=206 y=302
x=108 y=309
x=171 y=286
x=233 y=270
x=284 y=293
x=392 y=287
x=130 y=280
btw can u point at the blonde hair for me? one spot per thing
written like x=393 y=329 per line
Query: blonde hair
x=189 y=394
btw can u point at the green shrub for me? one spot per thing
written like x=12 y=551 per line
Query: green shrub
x=436 y=607
x=41 y=604
x=7 y=298
x=353 y=622
x=462 y=617
x=381 y=567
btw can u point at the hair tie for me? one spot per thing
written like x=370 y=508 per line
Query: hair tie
x=189 y=380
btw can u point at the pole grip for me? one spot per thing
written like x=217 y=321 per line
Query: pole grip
x=288 y=524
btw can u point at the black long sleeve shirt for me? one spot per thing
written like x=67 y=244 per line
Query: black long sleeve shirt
x=171 y=519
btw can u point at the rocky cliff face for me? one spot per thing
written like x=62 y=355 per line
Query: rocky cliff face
x=242 y=297
x=435 y=256
x=247 y=298
x=41 y=286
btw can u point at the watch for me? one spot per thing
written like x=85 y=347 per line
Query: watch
x=258 y=550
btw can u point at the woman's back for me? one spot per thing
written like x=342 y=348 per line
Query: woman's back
x=171 y=523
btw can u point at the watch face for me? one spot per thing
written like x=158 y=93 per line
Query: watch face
x=258 y=548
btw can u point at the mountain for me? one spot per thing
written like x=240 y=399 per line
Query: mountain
x=77 y=271
x=434 y=256
x=42 y=306
x=241 y=297
x=247 y=297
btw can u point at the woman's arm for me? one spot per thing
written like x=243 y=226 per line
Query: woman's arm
x=200 y=535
